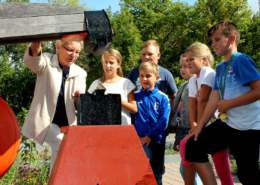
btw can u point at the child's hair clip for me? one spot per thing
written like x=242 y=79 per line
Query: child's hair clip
x=208 y=53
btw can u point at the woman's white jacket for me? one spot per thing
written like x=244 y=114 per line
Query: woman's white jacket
x=46 y=92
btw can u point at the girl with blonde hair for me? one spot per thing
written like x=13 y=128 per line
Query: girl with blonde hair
x=114 y=83
x=199 y=61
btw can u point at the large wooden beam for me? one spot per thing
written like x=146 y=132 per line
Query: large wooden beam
x=22 y=10
x=27 y=22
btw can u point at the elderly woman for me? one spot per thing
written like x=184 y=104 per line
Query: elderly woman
x=59 y=83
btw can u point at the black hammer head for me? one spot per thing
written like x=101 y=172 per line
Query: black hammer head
x=100 y=32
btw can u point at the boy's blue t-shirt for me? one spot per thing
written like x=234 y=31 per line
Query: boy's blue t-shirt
x=241 y=72
x=153 y=114
x=166 y=82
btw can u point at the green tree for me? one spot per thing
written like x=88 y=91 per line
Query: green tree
x=251 y=37
x=208 y=13
x=127 y=39
x=166 y=22
x=16 y=83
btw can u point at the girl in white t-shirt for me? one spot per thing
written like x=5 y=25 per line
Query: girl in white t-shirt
x=199 y=60
x=114 y=83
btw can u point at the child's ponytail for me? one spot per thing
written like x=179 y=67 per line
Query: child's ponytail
x=120 y=72
x=210 y=58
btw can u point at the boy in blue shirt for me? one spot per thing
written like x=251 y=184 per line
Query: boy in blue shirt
x=236 y=95
x=152 y=117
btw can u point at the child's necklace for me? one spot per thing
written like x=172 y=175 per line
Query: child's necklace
x=223 y=86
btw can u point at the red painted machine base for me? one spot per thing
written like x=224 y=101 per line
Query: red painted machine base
x=101 y=155
x=9 y=137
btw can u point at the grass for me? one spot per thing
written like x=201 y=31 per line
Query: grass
x=170 y=151
x=12 y=174
x=232 y=164
x=45 y=155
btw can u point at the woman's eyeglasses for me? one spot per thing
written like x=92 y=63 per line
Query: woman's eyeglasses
x=70 y=51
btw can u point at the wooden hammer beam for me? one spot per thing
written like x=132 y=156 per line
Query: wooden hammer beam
x=28 y=22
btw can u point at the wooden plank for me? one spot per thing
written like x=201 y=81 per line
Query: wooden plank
x=8 y=24
x=28 y=39
x=42 y=31
x=27 y=22
x=22 y=10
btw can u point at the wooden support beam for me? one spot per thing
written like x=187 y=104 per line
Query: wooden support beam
x=27 y=22
x=23 y=10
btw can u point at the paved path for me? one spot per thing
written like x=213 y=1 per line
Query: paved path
x=172 y=175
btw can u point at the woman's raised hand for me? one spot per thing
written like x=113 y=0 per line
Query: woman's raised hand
x=76 y=94
x=35 y=49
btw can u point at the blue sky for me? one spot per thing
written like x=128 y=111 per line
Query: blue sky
x=103 y=4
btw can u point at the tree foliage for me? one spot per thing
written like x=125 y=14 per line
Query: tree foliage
x=16 y=83
x=251 y=39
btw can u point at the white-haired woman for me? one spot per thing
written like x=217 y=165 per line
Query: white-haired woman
x=59 y=83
